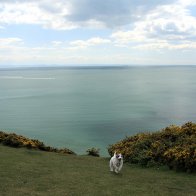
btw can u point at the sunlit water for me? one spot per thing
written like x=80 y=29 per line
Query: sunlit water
x=83 y=108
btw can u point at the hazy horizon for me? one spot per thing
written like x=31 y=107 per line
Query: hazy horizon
x=88 y=66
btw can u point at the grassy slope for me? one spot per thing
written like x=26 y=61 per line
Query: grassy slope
x=30 y=172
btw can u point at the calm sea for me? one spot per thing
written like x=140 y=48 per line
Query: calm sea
x=82 y=107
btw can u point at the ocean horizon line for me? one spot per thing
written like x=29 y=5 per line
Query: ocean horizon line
x=87 y=66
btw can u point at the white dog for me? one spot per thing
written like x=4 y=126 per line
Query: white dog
x=116 y=163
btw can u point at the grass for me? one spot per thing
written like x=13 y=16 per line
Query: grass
x=31 y=172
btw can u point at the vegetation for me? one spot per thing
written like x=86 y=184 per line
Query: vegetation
x=93 y=152
x=173 y=146
x=14 y=140
x=33 y=172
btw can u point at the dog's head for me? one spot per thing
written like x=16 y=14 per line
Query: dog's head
x=118 y=156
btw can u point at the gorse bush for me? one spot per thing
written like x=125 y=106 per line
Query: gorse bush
x=93 y=152
x=173 y=146
x=13 y=140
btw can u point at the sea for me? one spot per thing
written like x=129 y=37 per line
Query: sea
x=94 y=106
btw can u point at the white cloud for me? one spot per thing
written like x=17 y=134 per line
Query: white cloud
x=12 y=42
x=78 y=44
x=56 y=43
x=187 y=2
x=63 y=14
x=14 y=51
x=166 y=27
x=31 y=12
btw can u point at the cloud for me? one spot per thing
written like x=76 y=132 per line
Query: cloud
x=62 y=14
x=167 y=26
x=138 y=28
x=172 y=21
x=10 y=42
x=56 y=43
x=14 y=51
x=187 y=2
x=31 y=12
x=111 y=13
x=78 y=44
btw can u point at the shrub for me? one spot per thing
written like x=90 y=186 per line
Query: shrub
x=93 y=152
x=173 y=146
x=14 y=140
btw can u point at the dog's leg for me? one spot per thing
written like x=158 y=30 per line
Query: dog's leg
x=111 y=166
x=116 y=170
x=121 y=164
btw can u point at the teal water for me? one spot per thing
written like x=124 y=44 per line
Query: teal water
x=83 y=108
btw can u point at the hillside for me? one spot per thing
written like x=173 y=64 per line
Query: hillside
x=32 y=172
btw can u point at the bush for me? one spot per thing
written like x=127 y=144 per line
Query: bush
x=93 y=152
x=14 y=140
x=173 y=146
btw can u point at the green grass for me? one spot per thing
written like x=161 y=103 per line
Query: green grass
x=30 y=172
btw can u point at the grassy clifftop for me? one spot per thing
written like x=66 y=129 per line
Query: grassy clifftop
x=32 y=172
x=174 y=146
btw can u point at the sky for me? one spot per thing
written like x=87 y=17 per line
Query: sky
x=97 y=32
